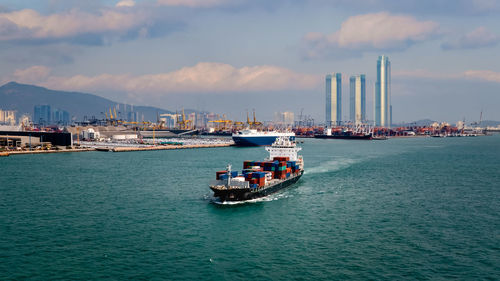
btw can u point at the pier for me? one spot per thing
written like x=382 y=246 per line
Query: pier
x=117 y=147
x=164 y=147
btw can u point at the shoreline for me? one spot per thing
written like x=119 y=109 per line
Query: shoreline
x=114 y=149
x=8 y=153
x=161 y=147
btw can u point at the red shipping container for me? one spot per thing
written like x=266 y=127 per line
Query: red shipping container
x=217 y=174
x=282 y=158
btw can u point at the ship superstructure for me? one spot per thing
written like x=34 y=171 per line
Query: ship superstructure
x=357 y=133
x=282 y=168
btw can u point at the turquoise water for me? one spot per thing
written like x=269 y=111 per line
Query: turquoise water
x=396 y=209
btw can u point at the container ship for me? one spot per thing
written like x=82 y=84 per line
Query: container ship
x=252 y=137
x=345 y=134
x=259 y=179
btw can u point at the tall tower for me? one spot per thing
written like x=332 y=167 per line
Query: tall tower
x=357 y=98
x=333 y=99
x=383 y=108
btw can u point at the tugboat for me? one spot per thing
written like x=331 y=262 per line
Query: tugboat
x=259 y=179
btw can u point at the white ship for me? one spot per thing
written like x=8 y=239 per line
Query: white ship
x=251 y=137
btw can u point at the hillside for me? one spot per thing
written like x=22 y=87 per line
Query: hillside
x=23 y=98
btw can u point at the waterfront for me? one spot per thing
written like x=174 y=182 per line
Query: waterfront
x=422 y=208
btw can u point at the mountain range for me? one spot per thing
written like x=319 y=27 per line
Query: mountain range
x=23 y=98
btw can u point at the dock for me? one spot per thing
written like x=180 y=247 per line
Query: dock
x=19 y=152
x=166 y=147
x=116 y=149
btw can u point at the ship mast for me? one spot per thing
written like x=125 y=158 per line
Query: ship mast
x=228 y=169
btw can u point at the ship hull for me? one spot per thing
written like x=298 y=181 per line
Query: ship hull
x=255 y=141
x=234 y=195
x=345 y=137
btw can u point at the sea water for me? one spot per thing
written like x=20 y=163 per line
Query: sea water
x=417 y=208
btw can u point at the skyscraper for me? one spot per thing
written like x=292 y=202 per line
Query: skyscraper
x=357 y=99
x=333 y=99
x=383 y=108
x=284 y=119
x=43 y=115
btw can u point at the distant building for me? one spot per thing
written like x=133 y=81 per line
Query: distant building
x=45 y=115
x=201 y=120
x=25 y=120
x=333 y=99
x=192 y=117
x=284 y=119
x=60 y=117
x=383 y=108
x=132 y=116
x=357 y=99
x=7 y=117
x=211 y=116
x=170 y=120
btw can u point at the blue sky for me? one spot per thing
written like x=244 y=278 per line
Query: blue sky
x=231 y=56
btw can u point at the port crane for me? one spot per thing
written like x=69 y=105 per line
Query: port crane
x=222 y=124
x=253 y=123
x=183 y=123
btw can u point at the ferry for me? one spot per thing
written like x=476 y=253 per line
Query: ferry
x=252 y=137
x=281 y=169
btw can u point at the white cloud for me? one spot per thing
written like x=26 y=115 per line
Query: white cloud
x=29 y=24
x=32 y=74
x=422 y=73
x=476 y=75
x=193 y=3
x=477 y=38
x=484 y=75
x=205 y=77
x=125 y=3
x=378 y=31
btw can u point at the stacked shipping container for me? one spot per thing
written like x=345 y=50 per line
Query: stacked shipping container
x=257 y=173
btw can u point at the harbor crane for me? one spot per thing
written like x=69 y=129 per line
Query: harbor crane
x=222 y=124
x=255 y=122
x=183 y=123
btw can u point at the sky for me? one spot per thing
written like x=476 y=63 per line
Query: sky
x=234 y=56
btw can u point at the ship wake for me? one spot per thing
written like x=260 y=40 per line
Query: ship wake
x=271 y=197
x=332 y=166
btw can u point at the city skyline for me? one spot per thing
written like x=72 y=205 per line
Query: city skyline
x=208 y=55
